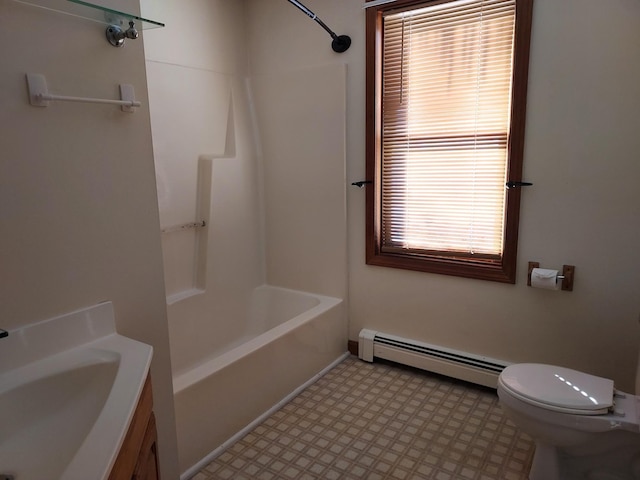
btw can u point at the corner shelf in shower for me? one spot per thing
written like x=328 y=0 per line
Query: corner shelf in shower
x=91 y=11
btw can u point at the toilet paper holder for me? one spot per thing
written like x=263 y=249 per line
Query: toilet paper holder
x=566 y=277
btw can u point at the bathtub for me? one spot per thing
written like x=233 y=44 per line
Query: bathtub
x=287 y=339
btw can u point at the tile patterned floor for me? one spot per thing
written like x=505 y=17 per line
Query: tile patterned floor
x=381 y=421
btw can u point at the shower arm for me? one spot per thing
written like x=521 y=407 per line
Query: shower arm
x=340 y=43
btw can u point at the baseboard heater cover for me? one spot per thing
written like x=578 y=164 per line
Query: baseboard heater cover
x=453 y=363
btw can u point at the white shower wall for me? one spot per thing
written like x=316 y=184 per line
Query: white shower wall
x=271 y=185
x=303 y=142
x=190 y=110
x=206 y=169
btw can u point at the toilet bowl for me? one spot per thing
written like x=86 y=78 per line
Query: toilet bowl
x=582 y=426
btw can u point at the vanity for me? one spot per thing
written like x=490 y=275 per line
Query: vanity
x=138 y=456
x=76 y=401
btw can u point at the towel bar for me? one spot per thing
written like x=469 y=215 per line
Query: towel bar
x=39 y=95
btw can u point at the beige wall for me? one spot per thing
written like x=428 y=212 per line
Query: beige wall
x=78 y=211
x=581 y=154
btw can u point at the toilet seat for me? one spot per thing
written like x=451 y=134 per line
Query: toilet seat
x=558 y=389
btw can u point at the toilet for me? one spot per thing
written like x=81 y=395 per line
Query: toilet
x=583 y=427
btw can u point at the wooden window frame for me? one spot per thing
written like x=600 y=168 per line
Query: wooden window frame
x=499 y=270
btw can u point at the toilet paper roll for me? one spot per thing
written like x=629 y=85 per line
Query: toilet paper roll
x=545 y=278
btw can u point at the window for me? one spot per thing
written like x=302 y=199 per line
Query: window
x=446 y=98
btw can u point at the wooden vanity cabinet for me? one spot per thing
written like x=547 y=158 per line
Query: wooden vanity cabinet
x=147 y=466
x=138 y=457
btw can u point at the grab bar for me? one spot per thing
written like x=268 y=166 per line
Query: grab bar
x=184 y=226
x=39 y=95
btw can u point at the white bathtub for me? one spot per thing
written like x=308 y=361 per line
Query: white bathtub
x=287 y=338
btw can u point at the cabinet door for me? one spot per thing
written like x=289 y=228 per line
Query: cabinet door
x=130 y=452
x=147 y=465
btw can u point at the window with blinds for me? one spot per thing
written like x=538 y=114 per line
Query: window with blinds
x=446 y=103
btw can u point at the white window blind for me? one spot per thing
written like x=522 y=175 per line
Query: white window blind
x=445 y=127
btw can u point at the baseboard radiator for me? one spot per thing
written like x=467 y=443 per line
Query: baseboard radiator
x=452 y=363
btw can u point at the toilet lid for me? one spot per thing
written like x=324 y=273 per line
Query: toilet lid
x=559 y=387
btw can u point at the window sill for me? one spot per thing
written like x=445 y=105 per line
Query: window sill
x=494 y=271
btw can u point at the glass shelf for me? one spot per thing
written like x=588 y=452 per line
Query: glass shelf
x=93 y=12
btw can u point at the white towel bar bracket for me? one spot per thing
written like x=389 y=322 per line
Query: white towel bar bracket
x=39 y=95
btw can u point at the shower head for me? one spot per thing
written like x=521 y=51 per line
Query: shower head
x=340 y=43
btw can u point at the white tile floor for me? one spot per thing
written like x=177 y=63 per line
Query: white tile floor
x=381 y=421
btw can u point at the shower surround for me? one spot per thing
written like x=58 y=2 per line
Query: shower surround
x=262 y=162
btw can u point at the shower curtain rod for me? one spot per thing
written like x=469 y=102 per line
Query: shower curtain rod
x=340 y=43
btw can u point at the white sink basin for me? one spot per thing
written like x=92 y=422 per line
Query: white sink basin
x=68 y=390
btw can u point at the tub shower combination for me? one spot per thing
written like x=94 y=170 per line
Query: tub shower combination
x=295 y=335
x=241 y=346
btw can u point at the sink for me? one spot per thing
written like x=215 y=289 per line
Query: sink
x=45 y=406
x=68 y=390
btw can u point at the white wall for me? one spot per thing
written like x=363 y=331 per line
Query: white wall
x=78 y=215
x=581 y=154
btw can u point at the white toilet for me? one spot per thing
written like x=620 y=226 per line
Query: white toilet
x=582 y=426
